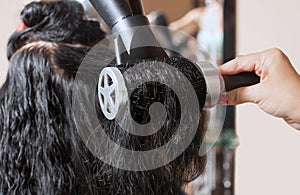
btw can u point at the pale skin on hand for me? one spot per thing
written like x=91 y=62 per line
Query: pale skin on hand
x=278 y=92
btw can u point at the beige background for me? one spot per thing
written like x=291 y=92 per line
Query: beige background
x=9 y=20
x=268 y=160
x=174 y=8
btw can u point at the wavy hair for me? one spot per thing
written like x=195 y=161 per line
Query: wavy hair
x=40 y=149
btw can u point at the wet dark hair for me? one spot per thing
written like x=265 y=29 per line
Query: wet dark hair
x=40 y=149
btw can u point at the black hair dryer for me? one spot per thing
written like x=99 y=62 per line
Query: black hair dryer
x=135 y=41
x=122 y=17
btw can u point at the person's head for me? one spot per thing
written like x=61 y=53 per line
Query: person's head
x=40 y=149
x=55 y=22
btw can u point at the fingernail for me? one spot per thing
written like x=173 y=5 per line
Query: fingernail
x=223 y=99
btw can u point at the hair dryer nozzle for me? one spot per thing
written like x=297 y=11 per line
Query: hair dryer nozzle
x=130 y=28
x=112 y=11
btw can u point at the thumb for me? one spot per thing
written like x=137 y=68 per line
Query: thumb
x=243 y=95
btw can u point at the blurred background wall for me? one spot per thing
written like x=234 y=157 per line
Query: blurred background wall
x=174 y=8
x=9 y=20
x=268 y=160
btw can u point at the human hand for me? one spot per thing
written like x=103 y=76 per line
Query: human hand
x=278 y=92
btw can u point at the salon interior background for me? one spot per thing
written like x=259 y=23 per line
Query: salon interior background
x=268 y=160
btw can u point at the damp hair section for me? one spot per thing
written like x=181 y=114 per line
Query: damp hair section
x=41 y=150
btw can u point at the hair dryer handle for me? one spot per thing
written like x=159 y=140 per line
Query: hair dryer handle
x=243 y=79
